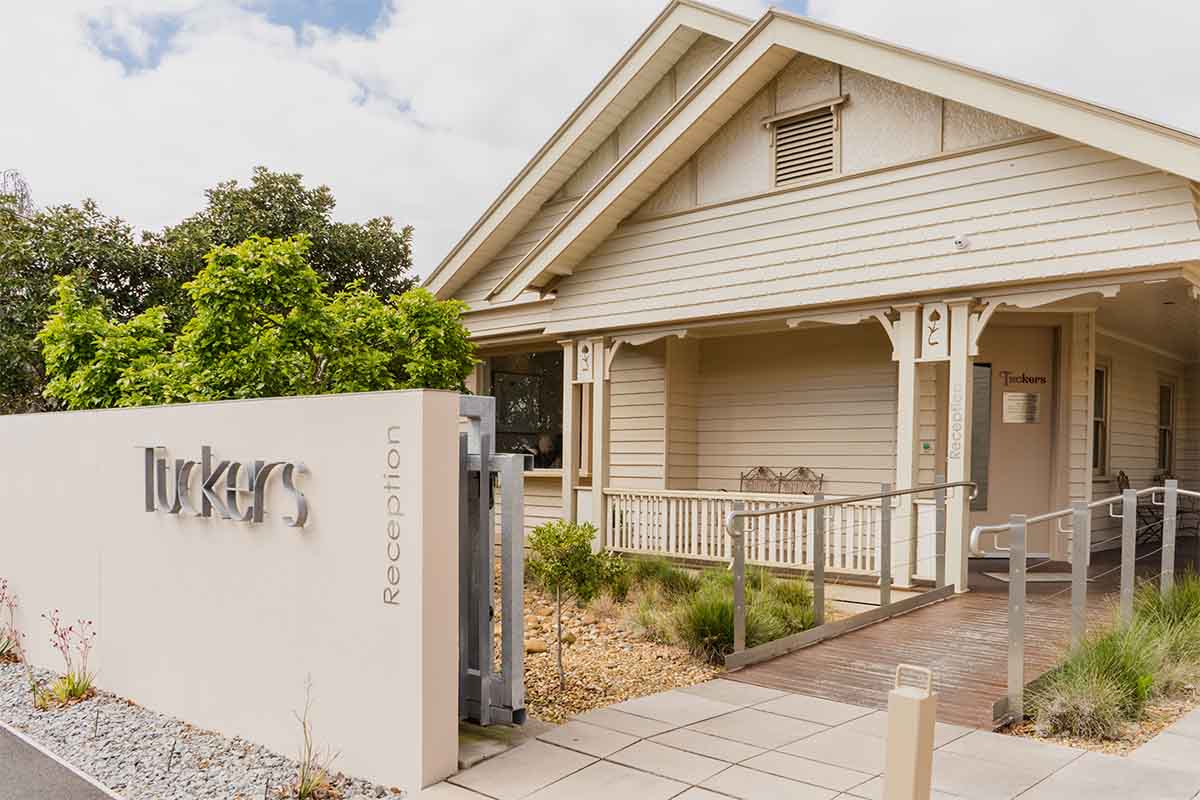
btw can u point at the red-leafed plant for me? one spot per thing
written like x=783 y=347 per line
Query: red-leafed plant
x=10 y=637
x=74 y=643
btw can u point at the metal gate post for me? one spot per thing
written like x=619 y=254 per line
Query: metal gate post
x=512 y=581
x=939 y=530
x=1016 y=617
x=818 y=545
x=885 y=546
x=1128 y=552
x=1081 y=542
x=737 y=533
x=484 y=549
x=1170 y=506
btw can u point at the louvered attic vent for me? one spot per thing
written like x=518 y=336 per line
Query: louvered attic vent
x=805 y=143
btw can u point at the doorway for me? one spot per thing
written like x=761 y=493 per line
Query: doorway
x=1015 y=380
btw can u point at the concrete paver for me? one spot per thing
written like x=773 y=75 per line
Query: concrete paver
x=751 y=726
x=722 y=740
x=676 y=707
x=522 y=770
x=604 y=781
x=670 y=763
x=817 y=773
x=632 y=724
x=750 y=784
x=814 y=709
x=589 y=739
x=734 y=693
x=706 y=745
x=1096 y=776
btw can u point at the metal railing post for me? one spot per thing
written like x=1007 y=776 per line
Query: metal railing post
x=939 y=530
x=885 y=546
x=1081 y=542
x=1016 y=617
x=737 y=530
x=818 y=545
x=1129 y=503
x=1170 y=506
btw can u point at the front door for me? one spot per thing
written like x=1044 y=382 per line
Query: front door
x=1015 y=376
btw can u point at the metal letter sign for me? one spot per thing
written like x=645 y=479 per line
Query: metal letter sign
x=225 y=501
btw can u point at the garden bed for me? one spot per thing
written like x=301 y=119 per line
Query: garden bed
x=652 y=627
x=1125 y=682
x=139 y=753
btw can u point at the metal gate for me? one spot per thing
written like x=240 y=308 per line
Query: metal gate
x=487 y=695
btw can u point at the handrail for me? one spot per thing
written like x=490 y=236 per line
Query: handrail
x=742 y=513
x=1004 y=527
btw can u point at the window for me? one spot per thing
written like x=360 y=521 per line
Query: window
x=981 y=434
x=1100 y=422
x=1166 y=428
x=528 y=392
x=805 y=142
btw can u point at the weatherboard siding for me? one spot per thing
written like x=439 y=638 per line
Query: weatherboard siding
x=1029 y=210
x=637 y=418
x=822 y=398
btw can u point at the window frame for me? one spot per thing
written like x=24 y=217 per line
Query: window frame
x=1171 y=428
x=1101 y=446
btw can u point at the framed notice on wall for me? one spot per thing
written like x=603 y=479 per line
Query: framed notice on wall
x=1022 y=408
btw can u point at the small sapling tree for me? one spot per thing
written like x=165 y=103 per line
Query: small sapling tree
x=563 y=563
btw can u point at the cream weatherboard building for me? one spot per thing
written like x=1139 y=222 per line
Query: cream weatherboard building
x=779 y=244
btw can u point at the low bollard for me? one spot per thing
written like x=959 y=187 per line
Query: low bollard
x=908 y=770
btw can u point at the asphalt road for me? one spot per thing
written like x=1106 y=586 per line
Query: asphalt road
x=28 y=774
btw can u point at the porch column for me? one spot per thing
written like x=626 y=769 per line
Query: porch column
x=599 y=442
x=958 y=442
x=906 y=332
x=570 y=431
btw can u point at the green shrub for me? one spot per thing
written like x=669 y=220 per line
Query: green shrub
x=562 y=563
x=614 y=575
x=675 y=581
x=1179 y=605
x=774 y=608
x=651 y=617
x=1103 y=682
x=1080 y=703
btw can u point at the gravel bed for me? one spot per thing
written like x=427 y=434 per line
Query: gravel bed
x=129 y=749
x=607 y=661
x=1159 y=715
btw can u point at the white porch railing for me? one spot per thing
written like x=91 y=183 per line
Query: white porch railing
x=691 y=525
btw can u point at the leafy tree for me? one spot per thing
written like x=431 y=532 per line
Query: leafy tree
x=563 y=563
x=132 y=273
x=261 y=325
x=373 y=256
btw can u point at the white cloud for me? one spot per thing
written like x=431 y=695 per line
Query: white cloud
x=1141 y=58
x=428 y=118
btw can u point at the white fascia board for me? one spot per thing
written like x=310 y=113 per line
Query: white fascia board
x=526 y=193
x=1125 y=135
x=667 y=135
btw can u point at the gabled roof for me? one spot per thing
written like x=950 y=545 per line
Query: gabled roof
x=751 y=62
x=642 y=66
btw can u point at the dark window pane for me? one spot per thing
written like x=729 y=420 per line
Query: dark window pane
x=1165 y=405
x=1098 y=412
x=528 y=392
x=1098 y=445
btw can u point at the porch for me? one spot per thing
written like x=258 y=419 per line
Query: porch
x=1040 y=394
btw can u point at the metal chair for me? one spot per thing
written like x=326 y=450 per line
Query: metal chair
x=1149 y=516
x=801 y=480
x=760 y=479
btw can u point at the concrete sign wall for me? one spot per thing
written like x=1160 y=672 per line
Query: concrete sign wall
x=315 y=537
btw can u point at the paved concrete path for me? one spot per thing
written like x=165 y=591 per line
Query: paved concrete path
x=27 y=773
x=724 y=739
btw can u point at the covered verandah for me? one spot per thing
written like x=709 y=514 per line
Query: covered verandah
x=1041 y=394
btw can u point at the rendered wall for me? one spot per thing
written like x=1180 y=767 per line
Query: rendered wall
x=221 y=623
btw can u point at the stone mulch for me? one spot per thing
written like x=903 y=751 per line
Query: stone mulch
x=139 y=753
x=606 y=662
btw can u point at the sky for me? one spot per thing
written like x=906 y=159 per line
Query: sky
x=143 y=104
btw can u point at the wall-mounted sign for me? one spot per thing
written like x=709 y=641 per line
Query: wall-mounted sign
x=224 y=486
x=1009 y=378
x=1022 y=408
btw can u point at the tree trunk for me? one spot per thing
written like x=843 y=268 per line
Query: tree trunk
x=562 y=680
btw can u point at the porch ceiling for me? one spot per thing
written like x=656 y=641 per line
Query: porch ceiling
x=1162 y=314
